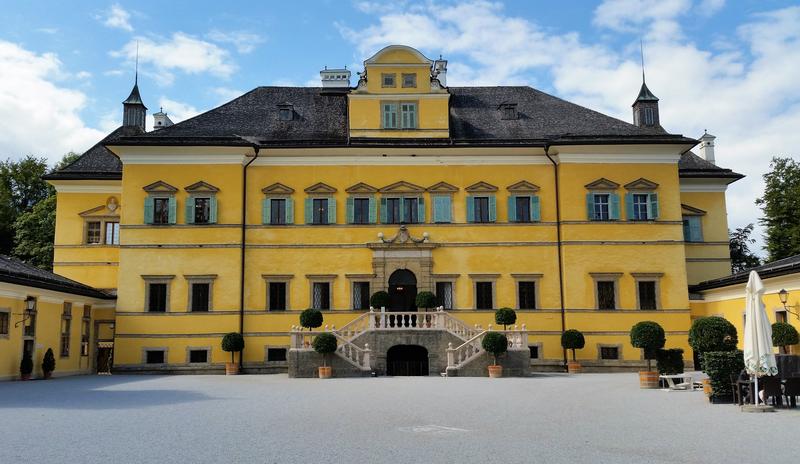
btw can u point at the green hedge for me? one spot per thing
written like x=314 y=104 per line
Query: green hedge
x=669 y=362
x=719 y=365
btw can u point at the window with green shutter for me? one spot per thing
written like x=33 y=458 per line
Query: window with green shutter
x=389 y=118
x=693 y=228
x=442 y=209
x=358 y=210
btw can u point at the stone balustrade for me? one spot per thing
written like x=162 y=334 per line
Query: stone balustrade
x=460 y=355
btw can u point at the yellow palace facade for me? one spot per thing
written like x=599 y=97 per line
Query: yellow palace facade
x=291 y=198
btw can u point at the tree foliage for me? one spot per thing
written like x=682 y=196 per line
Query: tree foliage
x=783 y=335
x=742 y=259
x=233 y=342
x=495 y=344
x=34 y=233
x=21 y=187
x=780 y=204
x=311 y=318
x=650 y=337
x=505 y=316
x=425 y=300
x=572 y=339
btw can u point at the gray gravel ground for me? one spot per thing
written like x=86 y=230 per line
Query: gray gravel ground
x=598 y=418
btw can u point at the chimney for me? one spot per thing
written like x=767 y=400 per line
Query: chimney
x=335 y=78
x=161 y=120
x=440 y=71
x=706 y=148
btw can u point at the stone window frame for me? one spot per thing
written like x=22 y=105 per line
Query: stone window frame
x=403 y=77
x=785 y=315
x=275 y=363
x=452 y=279
x=351 y=284
x=618 y=346
x=540 y=347
x=157 y=279
x=189 y=350
x=103 y=219
x=647 y=277
x=7 y=312
x=66 y=315
x=282 y=278
x=147 y=349
x=192 y=279
x=606 y=277
x=201 y=189
x=321 y=278
x=394 y=80
x=161 y=189
x=530 y=277
x=476 y=278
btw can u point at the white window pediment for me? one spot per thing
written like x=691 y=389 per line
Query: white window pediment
x=602 y=184
x=277 y=189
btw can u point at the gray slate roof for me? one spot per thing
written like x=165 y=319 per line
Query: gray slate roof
x=790 y=265
x=17 y=272
x=97 y=162
x=693 y=166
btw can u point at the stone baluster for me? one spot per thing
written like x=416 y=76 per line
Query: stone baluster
x=366 y=359
x=371 y=318
x=450 y=355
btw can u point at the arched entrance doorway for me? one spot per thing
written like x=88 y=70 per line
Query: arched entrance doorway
x=402 y=291
x=409 y=360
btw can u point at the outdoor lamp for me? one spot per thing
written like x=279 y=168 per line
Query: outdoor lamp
x=30 y=304
x=783 y=295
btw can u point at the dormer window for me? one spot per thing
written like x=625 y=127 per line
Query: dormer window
x=387 y=80
x=508 y=111
x=409 y=80
x=286 y=112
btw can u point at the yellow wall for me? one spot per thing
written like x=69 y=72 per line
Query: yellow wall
x=709 y=259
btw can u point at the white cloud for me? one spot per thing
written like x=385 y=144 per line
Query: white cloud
x=116 y=17
x=177 y=111
x=39 y=116
x=245 y=42
x=227 y=94
x=47 y=30
x=745 y=94
x=180 y=52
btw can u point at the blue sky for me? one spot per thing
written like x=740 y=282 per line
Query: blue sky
x=726 y=66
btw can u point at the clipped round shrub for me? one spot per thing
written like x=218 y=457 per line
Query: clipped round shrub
x=425 y=300
x=669 y=362
x=49 y=361
x=311 y=318
x=719 y=365
x=26 y=365
x=233 y=343
x=495 y=343
x=649 y=336
x=712 y=333
x=379 y=300
x=572 y=340
x=784 y=334
x=505 y=316
x=324 y=344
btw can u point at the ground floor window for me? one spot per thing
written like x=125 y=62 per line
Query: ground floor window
x=534 y=351
x=155 y=357
x=609 y=352
x=201 y=297
x=199 y=356
x=277 y=296
x=66 y=325
x=780 y=316
x=321 y=295
x=527 y=295
x=647 y=294
x=606 y=294
x=86 y=329
x=3 y=323
x=276 y=354
x=360 y=295
x=483 y=295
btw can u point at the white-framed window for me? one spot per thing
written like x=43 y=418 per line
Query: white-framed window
x=693 y=228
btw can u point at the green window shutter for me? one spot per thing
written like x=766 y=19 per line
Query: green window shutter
x=289 y=210
x=696 y=228
x=470 y=208
x=173 y=210
x=350 y=212
x=148 y=210
x=212 y=214
x=628 y=206
x=492 y=208
x=331 y=210
x=266 y=204
x=383 y=210
x=590 y=206
x=441 y=209
x=188 y=210
x=512 y=208
x=536 y=209
x=613 y=206
x=653 y=206
x=372 y=210
x=309 y=214
x=421 y=210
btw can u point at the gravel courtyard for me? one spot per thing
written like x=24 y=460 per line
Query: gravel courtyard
x=273 y=419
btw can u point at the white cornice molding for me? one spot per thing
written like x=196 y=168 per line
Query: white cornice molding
x=772 y=285
x=20 y=292
x=85 y=187
x=707 y=187
x=181 y=158
x=617 y=158
x=397 y=96
x=400 y=160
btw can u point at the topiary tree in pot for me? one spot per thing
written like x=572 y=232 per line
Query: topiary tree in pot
x=495 y=344
x=669 y=362
x=325 y=344
x=311 y=318
x=650 y=337
x=573 y=340
x=379 y=299
x=26 y=366
x=48 y=363
x=783 y=335
x=425 y=300
x=232 y=342
x=505 y=316
x=712 y=333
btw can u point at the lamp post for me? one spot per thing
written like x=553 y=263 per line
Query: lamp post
x=783 y=295
x=30 y=304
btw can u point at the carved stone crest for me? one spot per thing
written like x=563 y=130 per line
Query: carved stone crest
x=403 y=236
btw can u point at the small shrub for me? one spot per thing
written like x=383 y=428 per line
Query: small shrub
x=649 y=336
x=505 y=316
x=26 y=365
x=49 y=361
x=712 y=334
x=379 y=300
x=783 y=335
x=311 y=318
x=495 y=344
x=324 y=344
x=719 y=365
x=426 y=300
x=572 y=340
x=669 y=362
x=233 y=342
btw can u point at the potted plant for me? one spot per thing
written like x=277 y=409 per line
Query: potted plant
x=711 y=334
x=505 y=316
x=310 y=319
x=379 y=300
x=495 y=344
x=48 y=363
x=26 y=366
x=669 y=362
x=573 y=340
x=649 y=336
x=233 y=343
x=325 y=344
x=720 y=367
x=425 y=300
x=783 y=335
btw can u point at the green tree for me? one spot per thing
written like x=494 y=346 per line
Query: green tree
x=21 y=187
x=742 y=259
x=780 y=203
x=34 y=233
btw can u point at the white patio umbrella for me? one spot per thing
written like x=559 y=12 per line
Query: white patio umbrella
x=759 y=359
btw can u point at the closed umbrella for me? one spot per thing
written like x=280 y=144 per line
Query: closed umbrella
x=759 y=359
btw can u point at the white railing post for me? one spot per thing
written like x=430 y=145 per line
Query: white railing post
x=450 y=356
x=371 y=317
x=367 y=351
x=524 y=336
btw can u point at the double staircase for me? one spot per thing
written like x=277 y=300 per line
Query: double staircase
x=460 y=354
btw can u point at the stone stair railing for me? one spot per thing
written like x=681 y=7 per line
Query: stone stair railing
x=350 y=352
x=407 y=320
x=461 y=355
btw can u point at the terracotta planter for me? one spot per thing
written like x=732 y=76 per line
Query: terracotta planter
x=648 y=379
x=231 y=368
x=325 y=372
x=574 y=367
x=495 y=372
x=707 y=387
x=48 y=374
